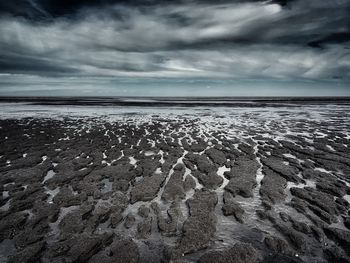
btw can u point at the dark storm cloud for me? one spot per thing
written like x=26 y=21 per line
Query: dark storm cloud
x=232 y=39
x=54 y=8
x=32 y=65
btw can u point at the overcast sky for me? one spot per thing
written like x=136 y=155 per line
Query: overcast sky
x=160 y=47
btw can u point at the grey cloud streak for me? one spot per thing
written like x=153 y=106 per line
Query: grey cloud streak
x=307 y=40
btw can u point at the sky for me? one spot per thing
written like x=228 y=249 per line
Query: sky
x=174 y=48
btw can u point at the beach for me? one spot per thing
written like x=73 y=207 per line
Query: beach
x=174 y=180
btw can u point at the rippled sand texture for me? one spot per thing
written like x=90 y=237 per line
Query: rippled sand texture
x=108 y=184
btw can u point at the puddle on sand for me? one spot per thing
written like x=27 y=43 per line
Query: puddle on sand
x=288 y=155
x=48 y=176
x=54 y=226
x=322 y=170
x=308 y=183
x=6 y=206
x=229 y=230
x=220 y=172
x=7 y=249
x=158 y=171
x=5 y=194
x=108 y=186
x=52 y=194
x=149 y=153
x=347 y=198
x=132 y=160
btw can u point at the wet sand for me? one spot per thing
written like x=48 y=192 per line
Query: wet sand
x=150 y=184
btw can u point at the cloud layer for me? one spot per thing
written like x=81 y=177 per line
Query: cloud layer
x=177 y=39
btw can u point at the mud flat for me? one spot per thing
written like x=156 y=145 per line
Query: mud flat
x=130 y=184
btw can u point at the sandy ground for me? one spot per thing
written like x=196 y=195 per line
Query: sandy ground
x=109 y=184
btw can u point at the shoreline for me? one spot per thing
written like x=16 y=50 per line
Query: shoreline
x=180 y=101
